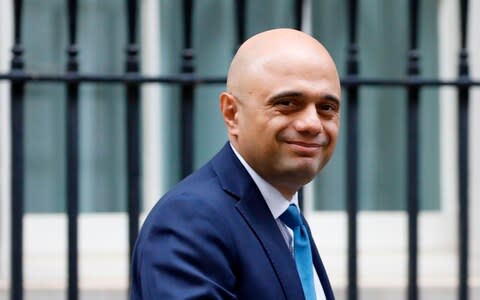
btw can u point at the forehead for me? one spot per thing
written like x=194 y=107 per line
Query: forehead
x=308 y=73
x=297 y=61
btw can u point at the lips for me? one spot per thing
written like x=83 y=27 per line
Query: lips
x=305 y=148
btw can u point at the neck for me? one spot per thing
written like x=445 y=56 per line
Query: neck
x=287 y=193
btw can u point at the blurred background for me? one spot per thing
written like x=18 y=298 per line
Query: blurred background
x=395 y=214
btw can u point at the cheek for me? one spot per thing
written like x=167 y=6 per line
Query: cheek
x=245 y=124
x=331 y=128
x=279 y=125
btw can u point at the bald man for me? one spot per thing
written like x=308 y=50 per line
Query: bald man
x=221 y=232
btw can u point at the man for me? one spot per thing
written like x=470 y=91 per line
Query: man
x=222 y=233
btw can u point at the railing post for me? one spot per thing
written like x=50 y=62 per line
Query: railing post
x=463 y=100
x=72 y=154
x=187 y=92
x=298 y=14
x=17 y=207
x=413 y=150
x=240 y=17
x=132 y=129
x=352 y=151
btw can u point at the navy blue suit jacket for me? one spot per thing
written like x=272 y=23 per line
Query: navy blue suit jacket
x=213 y=237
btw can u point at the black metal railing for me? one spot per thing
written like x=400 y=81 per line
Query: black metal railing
x=132 y=79
x=72 y=137
x=352 y=150
x=413 y=93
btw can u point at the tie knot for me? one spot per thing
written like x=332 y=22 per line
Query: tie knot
x=291 y=217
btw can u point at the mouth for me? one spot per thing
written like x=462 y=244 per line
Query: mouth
x=304 y=148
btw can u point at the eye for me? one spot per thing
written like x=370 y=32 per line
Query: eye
x=284 y=102
x=286 y=105
x=327 y=107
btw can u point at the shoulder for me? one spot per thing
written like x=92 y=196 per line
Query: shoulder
x=187 y=231
x=202 y=190
x=195 y=201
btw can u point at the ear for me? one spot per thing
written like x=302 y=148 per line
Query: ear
x=229 y=109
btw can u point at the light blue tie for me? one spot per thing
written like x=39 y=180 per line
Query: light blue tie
x=301 y=247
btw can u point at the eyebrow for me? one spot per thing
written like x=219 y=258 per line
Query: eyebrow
x=286 y=94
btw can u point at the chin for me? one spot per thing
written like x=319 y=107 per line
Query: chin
x=308 y=166
x=303 y=174
x=306 y=176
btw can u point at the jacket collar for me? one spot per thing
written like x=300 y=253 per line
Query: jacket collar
x=235 y=180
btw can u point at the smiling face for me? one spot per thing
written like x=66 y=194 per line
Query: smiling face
x=282 y=107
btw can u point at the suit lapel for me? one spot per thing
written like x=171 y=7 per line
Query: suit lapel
x=252 y=207
x=317 y=262
x=256 y=213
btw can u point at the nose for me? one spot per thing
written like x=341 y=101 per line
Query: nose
x=309 y=122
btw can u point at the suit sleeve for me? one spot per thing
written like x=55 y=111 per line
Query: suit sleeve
x=184 y=253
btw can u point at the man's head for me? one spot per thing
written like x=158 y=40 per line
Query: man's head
x=282 y=107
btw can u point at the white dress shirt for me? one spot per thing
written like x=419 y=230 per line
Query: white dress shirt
x=278 y=204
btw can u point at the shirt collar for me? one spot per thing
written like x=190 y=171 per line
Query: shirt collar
x=276 y=202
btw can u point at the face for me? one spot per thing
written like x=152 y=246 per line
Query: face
x=286 y=123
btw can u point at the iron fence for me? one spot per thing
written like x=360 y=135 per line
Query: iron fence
x=132 y=79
